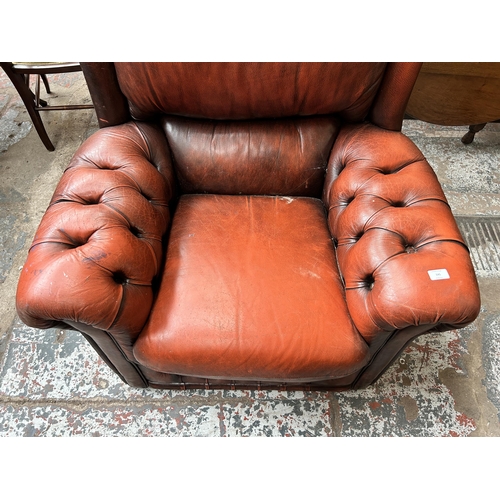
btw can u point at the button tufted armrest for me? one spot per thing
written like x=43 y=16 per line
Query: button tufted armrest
x=403 y=260
x=99 y=245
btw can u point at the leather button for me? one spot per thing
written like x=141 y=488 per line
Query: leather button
x=120 y=278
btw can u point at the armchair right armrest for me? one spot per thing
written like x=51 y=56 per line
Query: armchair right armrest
x=399 y=250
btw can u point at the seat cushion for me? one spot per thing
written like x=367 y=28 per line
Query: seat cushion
x=251 y=291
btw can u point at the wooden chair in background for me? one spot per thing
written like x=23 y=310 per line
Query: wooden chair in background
x=20 y=75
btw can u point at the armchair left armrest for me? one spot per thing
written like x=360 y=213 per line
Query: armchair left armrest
x=99 y=245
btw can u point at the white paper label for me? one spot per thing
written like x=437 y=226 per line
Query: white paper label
x=439 y=274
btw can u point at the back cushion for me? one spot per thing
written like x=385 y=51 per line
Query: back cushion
x=249 y=90
x=266 y=157
x=250 y=128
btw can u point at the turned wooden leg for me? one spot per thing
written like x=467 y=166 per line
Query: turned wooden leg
x=27 y=96
x=46 y=82
x=473 y=129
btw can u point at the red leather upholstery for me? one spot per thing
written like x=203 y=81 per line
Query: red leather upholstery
x=392 y=225
x=310 y=239
x=99 y=245
x=229 y=91
x=251 y=291
x=285 y=157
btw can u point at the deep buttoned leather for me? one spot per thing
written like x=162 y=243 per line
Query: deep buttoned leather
x=310 y=239
x=99 y=245
x=392 y=225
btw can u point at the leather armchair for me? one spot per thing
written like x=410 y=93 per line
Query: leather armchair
x=249 y=225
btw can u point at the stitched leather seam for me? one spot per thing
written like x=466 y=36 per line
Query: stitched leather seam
x=134 y=365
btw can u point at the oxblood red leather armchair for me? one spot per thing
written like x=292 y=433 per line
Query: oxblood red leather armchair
x=261 y=225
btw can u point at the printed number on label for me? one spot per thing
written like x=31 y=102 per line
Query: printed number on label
x=439 y=274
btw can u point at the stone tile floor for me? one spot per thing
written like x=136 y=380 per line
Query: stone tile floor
x=53 y=384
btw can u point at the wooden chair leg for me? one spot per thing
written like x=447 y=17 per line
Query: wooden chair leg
x=27 y=96
x=473 y=129
x=46 y=83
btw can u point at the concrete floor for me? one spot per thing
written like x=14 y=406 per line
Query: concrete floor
x=53 y=384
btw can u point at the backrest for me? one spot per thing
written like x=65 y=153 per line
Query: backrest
x=240 y=91
x=251 y=128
